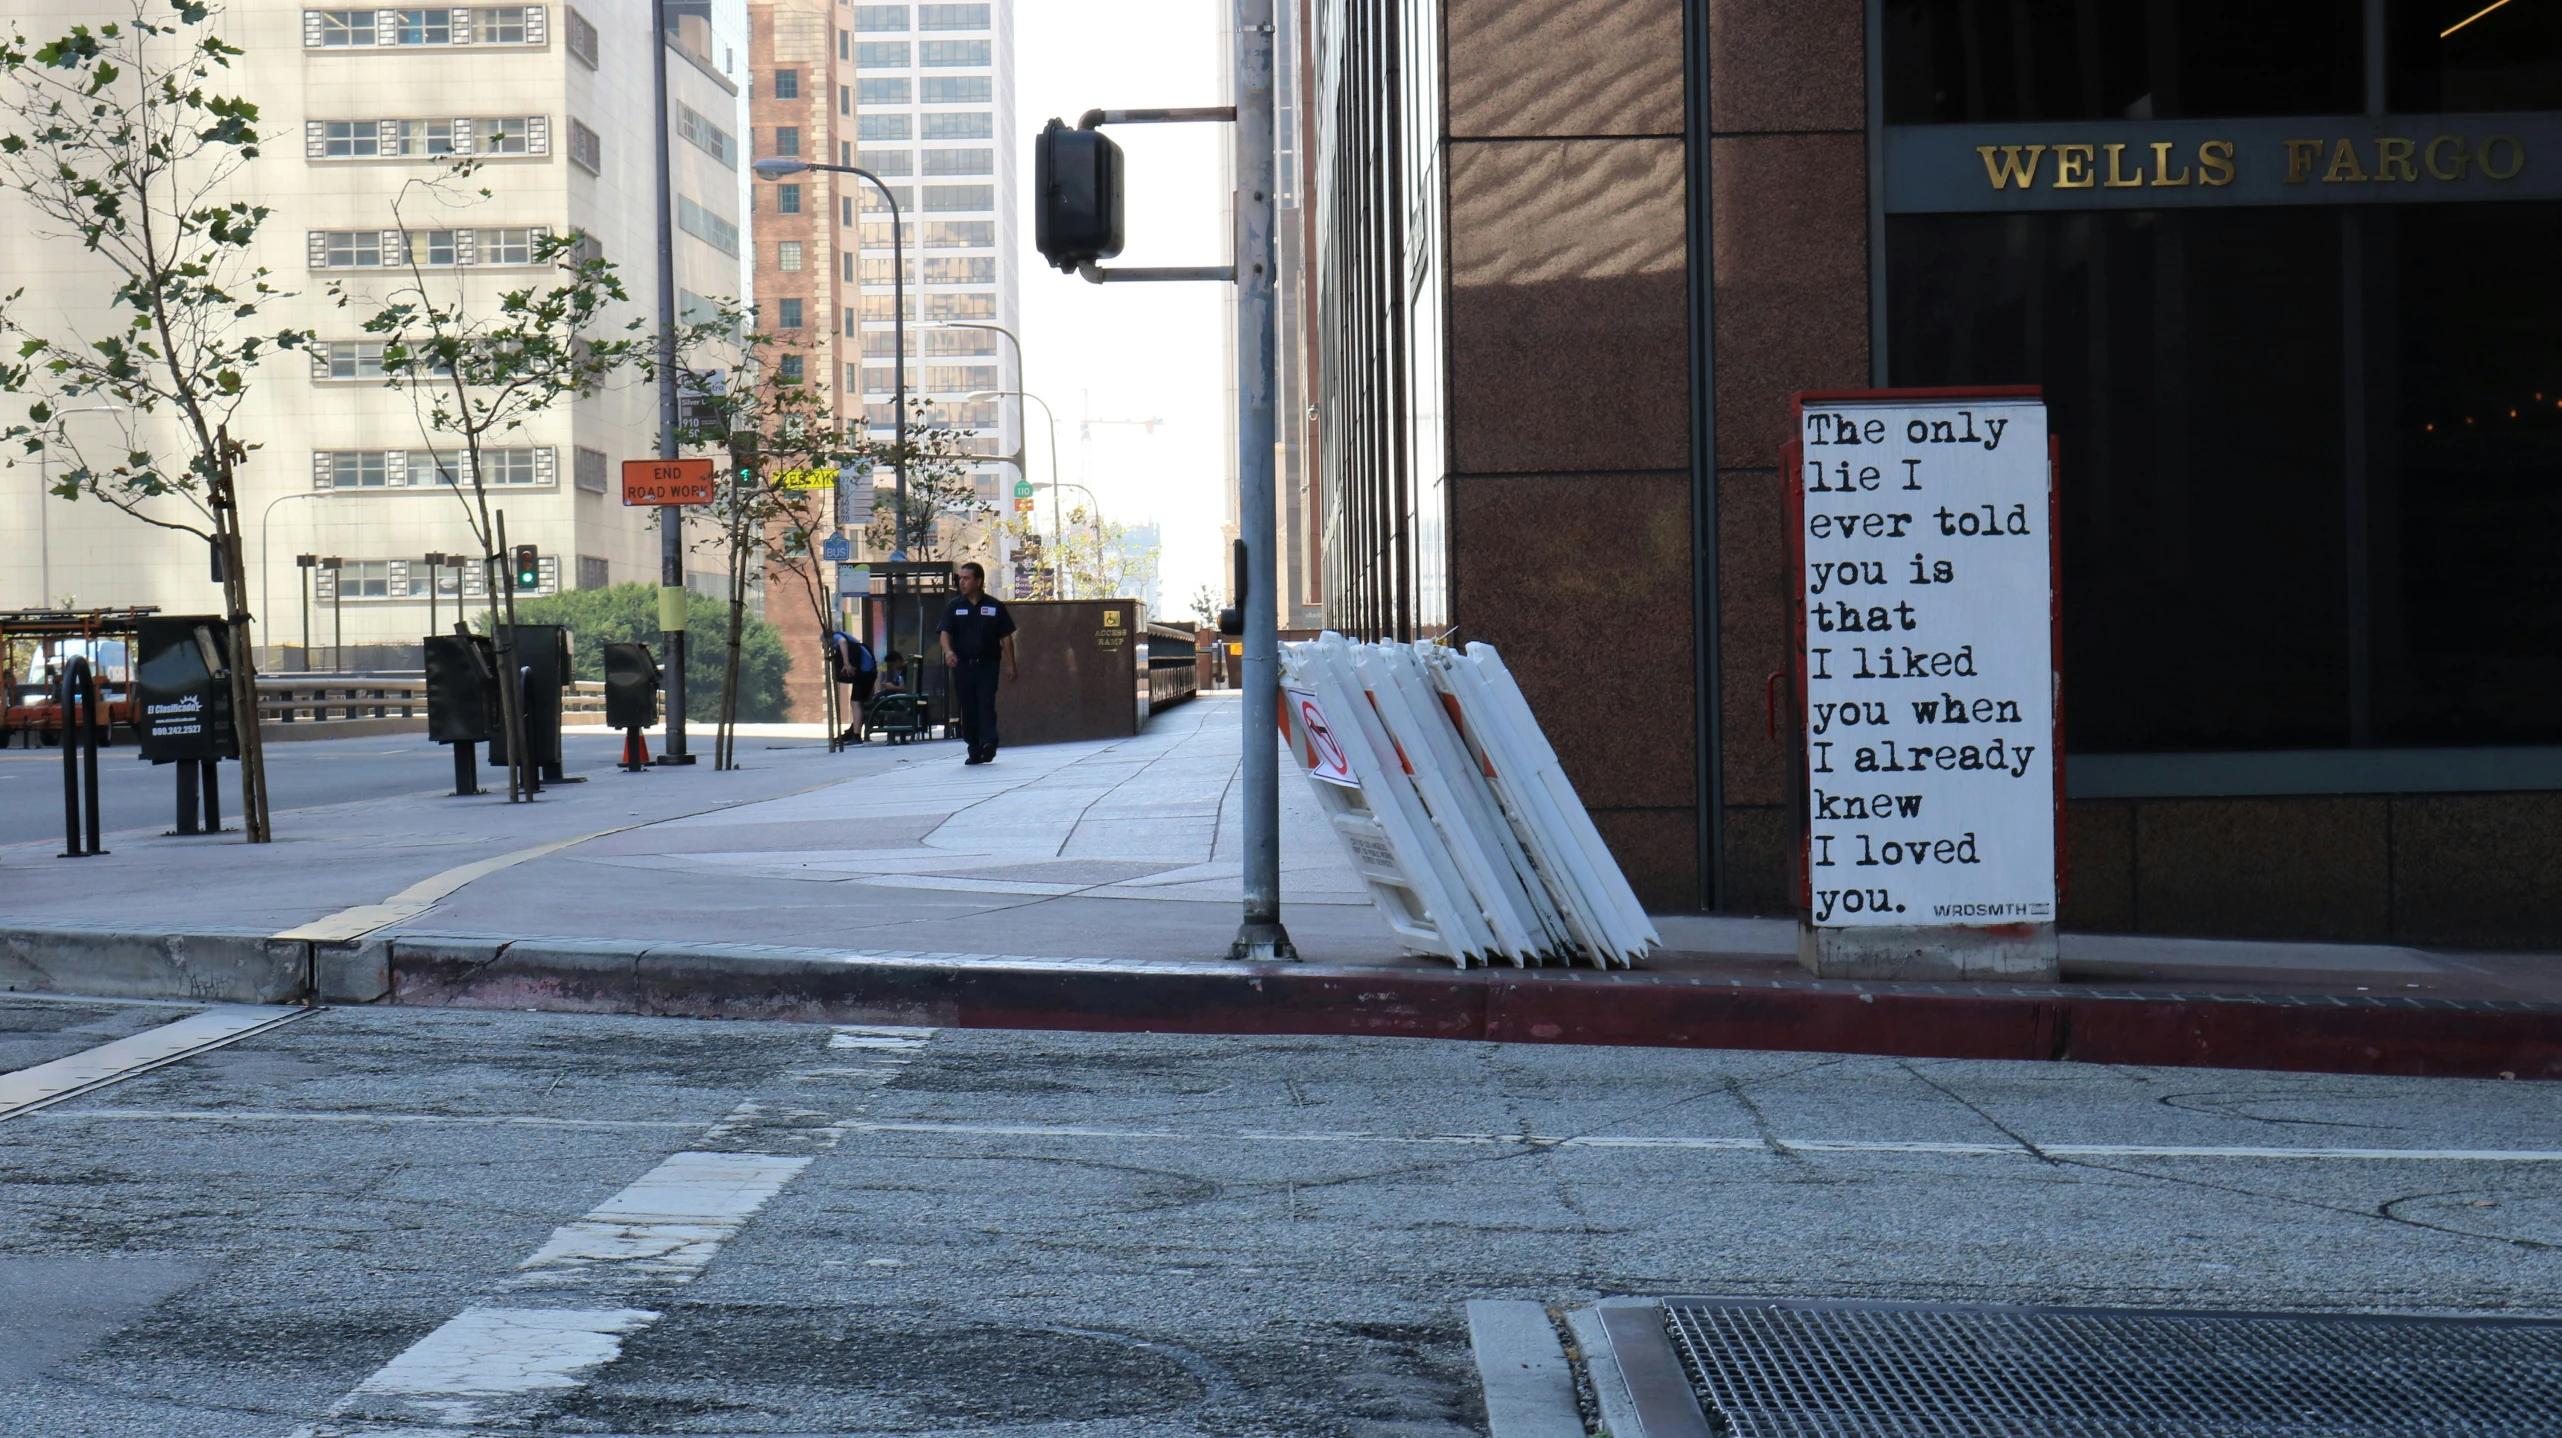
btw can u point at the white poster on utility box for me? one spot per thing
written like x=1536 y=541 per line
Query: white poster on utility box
x=1926 y=681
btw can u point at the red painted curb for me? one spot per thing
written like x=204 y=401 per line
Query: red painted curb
x=2306 y=1033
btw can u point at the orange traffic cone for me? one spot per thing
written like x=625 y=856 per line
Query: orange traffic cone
x=635 y=751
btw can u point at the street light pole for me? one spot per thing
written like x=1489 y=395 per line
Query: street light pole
x=1260 y=935
x=671 y=518
x=777 y=167
x=974 y=396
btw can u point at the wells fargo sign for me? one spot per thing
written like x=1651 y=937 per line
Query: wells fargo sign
x=2330 y=160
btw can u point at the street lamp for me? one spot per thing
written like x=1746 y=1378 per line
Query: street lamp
x=337 y=615
x=974 y=396
x=305 y=563
x=434 y=562
x=775 y=168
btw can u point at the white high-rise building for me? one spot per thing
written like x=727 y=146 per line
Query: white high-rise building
x=363 y=110
x=934 y=118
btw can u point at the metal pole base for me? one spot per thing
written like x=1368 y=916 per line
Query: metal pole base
x=466 y=775
x=1263 y=942
x=673 y=759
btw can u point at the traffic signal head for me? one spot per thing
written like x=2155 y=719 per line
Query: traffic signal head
x=743 y=449
x=1076 y=189
x=529 y=567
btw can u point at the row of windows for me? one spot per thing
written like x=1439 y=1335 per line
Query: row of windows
x=929 y=54
x=412 y=579
x=423 y=469
x=444 y=25
x=425 y=139
x=958 y=270
x=940 y=125
x=355 y=360
x=928 y=17
x=930 y=162
x=393 y=249
x=939 y=378
x=877 y=344
x=939 y=199
x=703 y=225
x=928 y=90
x=707 y=137
x=947 y=305
x=938 y=235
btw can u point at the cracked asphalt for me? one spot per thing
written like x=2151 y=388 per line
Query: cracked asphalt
x=1034 y=1233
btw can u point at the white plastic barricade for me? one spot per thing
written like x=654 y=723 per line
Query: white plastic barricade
x=1452 y=806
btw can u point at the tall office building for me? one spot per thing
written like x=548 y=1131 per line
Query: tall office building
x=361 y=109
x=933 y=99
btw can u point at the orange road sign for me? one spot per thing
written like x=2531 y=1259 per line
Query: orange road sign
x=668 y=481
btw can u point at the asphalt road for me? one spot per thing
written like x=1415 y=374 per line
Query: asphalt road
x=135 y=795
x=448 y=1222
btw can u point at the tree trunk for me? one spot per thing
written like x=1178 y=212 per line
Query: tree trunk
x=511 y=683
x=254 y=825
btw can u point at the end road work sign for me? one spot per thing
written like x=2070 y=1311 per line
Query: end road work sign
x=1925 y=556
x=667 y=481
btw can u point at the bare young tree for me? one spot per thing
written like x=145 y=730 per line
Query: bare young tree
x=476 y=372
x=944 y=509
x=118 y=140
x=740 y=394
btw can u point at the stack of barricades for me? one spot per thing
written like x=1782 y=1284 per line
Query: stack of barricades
x=1432 y=770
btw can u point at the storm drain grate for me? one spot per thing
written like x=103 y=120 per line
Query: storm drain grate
x=1771 y=1369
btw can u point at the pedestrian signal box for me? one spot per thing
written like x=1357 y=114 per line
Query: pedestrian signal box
x=742 y=458
x=1076 y=189
x=529 y=568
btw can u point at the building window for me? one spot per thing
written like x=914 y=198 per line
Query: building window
x=346 y=27
x=429 y=468
x=871 y=93
x=507 y=247
x=842 y=37
x=502 y=137
x=1954 y=61
x=878 y=306
x=787 y=139
x=703 y=225
x=960 y=162
x=881 y=55
x=970 y=270
x=886 y=162
x=960 y=125
x=422 y=137
x=787 y=314
x=882 y=127
x=593 y=572
x=353 y=250
x=422 y=27
x=960 y=342
x=959 y=90
x=869 y=200
x=582 y=38
x=876 y=235
x=356 y=469
x=881 y=344
x=433 y=248
x=880 y=17
x=364 y=579
x=351 y=140
x=787 y=256
x=506 y=25
x=707 y=137
x=787 y=199
x=590 y=466
x=352 y=359
x=960 y=197
x=880 y=379
x=959 y=378
x=2441 y=58
x=980 y=306
x=951 y=17
x=884 y=272
x=950 y=53
x=790 y=369
x=787 y=84
x=510 y=467
x=845 y=99
x=585 y=149
x=960 y=235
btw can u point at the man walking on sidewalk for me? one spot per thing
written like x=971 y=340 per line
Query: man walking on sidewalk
x=976 y=631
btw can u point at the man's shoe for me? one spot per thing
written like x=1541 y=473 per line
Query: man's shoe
x=974 y=759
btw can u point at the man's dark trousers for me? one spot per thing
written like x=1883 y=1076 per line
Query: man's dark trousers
x=974 y=699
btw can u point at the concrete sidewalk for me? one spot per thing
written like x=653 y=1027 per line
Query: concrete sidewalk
x=1089 y=885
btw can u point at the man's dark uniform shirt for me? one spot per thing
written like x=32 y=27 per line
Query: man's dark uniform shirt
x=978 y=630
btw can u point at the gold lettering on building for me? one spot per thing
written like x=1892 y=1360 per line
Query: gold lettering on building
x=2393 y=160
x=2215 y=162
x=2454 y=169
x=2162 y=166
x=2118 y=179
x=2344 y=165
x=2073 y=167
x=2300 y=155
x=2517 y=157
x=2007 y=167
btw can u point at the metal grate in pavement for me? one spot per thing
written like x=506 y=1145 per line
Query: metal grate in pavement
x=1777 y=1369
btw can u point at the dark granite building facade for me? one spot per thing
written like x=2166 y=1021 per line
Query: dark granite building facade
x=2284 y=271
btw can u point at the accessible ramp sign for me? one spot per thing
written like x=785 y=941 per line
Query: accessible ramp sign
x=1928 y=697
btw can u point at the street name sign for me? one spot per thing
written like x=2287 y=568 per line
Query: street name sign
x=1923 y=540
x=809 y=479
x=668 y=481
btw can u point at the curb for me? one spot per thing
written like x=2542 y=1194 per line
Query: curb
x=2318 y=1033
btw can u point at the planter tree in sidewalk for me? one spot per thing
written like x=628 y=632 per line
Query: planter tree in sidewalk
x=117 y=139
x=479 y=366
x=946 y=516
x=745 y=399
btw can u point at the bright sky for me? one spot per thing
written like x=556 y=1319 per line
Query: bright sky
x=1135 y=352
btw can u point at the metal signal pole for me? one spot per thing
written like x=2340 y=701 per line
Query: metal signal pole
x=671 y=517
